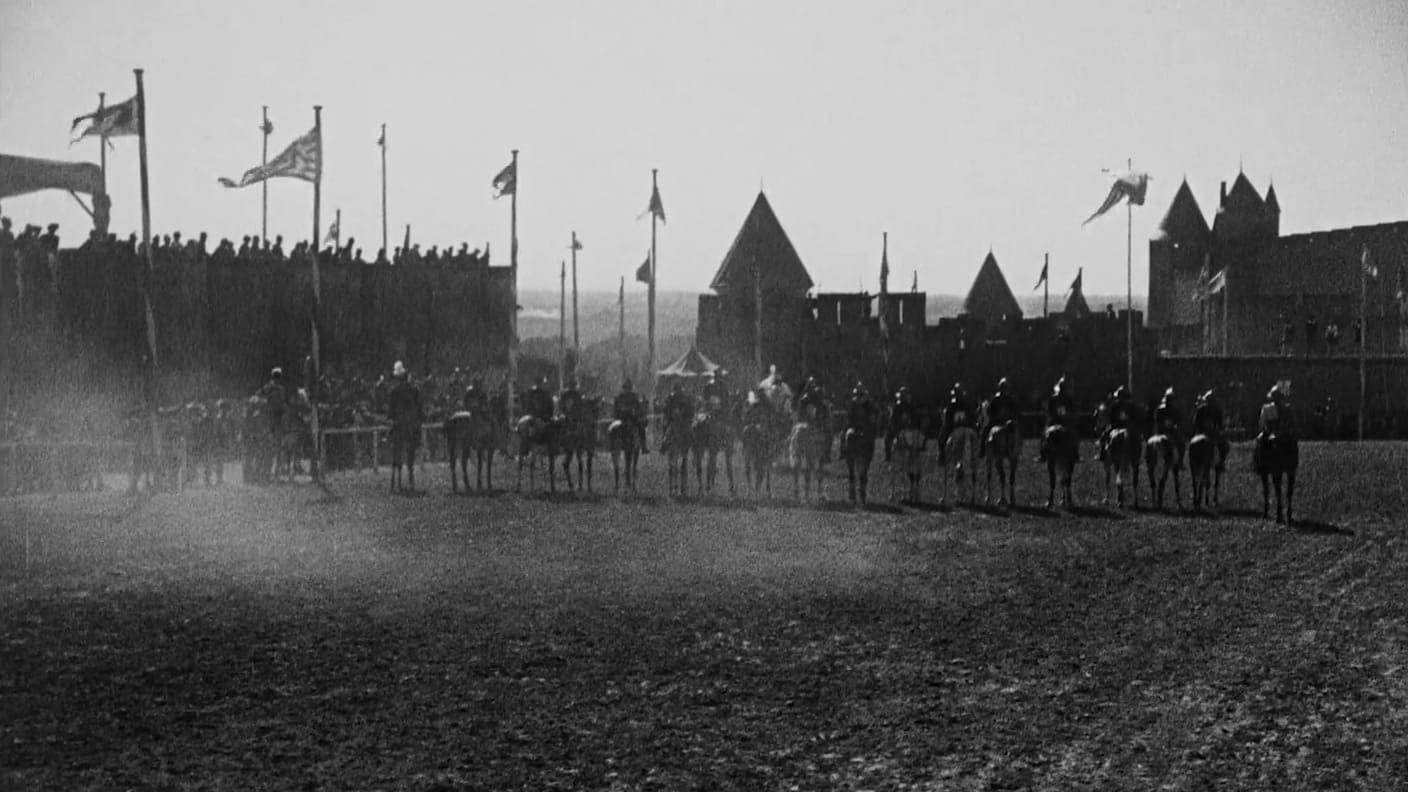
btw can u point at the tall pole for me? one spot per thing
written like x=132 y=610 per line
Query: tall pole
x=1363 y=337
x=621 y=328
x=1046 y=287
x=513 y=288
x=314 y=373
x=102 y=143
x=384 y=239
x=562 y=328
x=337 y=230
x=757 y=306
x=1129 y=290
x=264 y=185
x=650 y=292
x=149 y=275
x=576 y=334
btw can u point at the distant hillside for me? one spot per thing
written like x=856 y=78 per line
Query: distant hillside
x=676 y=312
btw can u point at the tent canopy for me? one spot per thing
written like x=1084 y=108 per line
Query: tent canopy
x=690 y=364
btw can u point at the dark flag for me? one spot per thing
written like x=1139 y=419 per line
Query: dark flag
x=643 y=271
x=506 y=183
x=1043 y=277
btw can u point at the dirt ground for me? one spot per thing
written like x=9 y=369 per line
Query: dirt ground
x=277 y=638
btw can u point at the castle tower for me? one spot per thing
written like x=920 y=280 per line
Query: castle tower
x=990 y=297
x=1177 y=253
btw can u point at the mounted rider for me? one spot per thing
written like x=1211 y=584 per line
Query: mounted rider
x=1275 y=418
x=475 y=399
x=1168 y=421
x=275 y=396
x=1208 y=420
x=629 y=409
x=1002 y=407
x=679 y=411
x=569 y=401
x=404 y=401
x=714 y=394
x=862 y=414
x=1060 y=412
x=1119 y=414
x=959 y=413
x=904 y=414
x=539 y=403
x=758 y=411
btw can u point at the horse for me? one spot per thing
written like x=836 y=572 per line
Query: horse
x=472 y=431
x=1060 y=447
x=907 y=459
x=1277 y=456
x=807 y=446
x=1162 y=458
x=959 y=454
x=578 y=441
x=1119 y=453
x=623 y=438
x=1202 y=459
x=405 y=441
x=676 y=445
x=294 y=436
x=537 y=439
x=758 y=453
x=712 y=434
x=858 y=449
x=1004 y=446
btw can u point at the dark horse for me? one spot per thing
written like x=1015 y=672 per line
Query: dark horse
x=1162 y=458
x=858 y=449
x=1202 y=458
x=1060 y=445
x=537 y=439
x=1276 y=456
x=472 y=431
x=624 y=440
x=405 y=441
x=759 y=449
x=712 y=434
x=578 y=441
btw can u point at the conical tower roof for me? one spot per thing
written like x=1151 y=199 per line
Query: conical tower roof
x=1076 y=306
x=1184 y=218
x=1272 y=204
x=762 y=237
x=990 y=297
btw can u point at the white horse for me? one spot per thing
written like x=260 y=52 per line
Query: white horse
x=960 y=460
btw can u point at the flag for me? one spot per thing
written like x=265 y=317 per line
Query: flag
x=914 y=286
x=267 y=127
x=334 y=232
x=1367 y=264
x=506 y=183
x=1076 y=284
x=576 y=244
x=20 y=175
x=1043 y=277
x=303 y=159
x=1202 y=291
x=643 y=271
x=381 y=139
x=656 y=207
x=1132 y=185
x=111 y=121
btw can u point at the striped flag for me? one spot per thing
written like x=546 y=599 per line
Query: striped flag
x=303 y=159
x=111 y=121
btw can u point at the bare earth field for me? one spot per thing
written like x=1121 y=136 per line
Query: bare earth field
x=237 y=639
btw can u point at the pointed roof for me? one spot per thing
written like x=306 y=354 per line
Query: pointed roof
x=690 y=364
x=1076 y=306
x=1184 y=217
x=1243 y=195
x=762 y=236
x=990 y=297
x=1272 y=205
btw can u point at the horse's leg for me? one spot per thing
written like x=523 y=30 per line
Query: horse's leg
x=1276 y=482
x=1290 y=494
x=1265 y=496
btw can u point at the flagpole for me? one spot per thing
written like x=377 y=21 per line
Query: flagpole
x=264 y=185
x=1129 y=288
x=337 y=230
x=1363 y=336
x=562 y=328
x=315 y=370
x=154 y=370
x=650 y=292
x=513 y=289
x=576 y=336
x=102 y=144
x=621 y=327
x=884 y=320
x=1046 y=287
x=385 y=240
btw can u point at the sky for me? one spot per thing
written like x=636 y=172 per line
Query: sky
x=957 y=127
